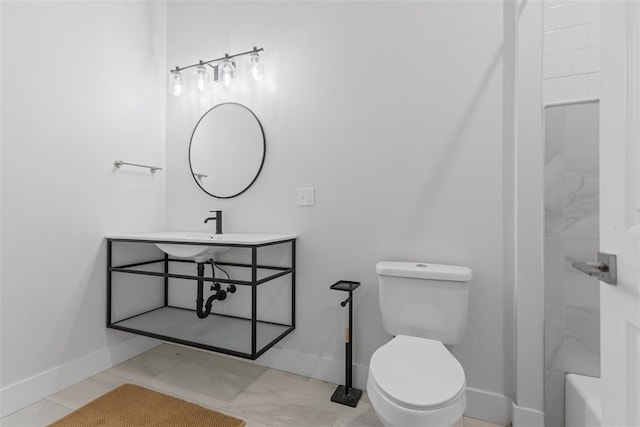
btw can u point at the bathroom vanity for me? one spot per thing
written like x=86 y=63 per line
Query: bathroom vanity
x=250 y=282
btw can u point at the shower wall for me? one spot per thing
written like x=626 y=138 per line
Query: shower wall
x=571 y=56
x=572 y=314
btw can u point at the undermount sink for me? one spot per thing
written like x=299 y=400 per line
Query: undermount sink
x=202 y=253
x=198 y=253
x=195 y=252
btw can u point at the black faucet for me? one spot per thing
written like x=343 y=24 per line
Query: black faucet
x=218 y=219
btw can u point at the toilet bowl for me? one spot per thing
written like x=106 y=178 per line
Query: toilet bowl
x=416 y=382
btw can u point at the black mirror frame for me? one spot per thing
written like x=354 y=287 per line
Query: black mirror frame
x=264 y=150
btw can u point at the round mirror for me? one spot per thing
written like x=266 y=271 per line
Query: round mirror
x=227 y=150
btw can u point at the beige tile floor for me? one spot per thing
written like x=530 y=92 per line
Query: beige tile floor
x=260 y=396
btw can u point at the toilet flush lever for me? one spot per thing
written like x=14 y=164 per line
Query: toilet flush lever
x=605 y=269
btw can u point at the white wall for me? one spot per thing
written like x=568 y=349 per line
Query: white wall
x=83 y=84
x=1 y=120
x=405 y=168
x=571 y=55
x=529 y=400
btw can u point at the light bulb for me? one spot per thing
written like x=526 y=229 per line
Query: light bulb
x=201 y=78
x=176 y=83
x=256 y=69
x=227 y=72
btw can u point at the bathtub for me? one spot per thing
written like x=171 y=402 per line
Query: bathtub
x=583 y=401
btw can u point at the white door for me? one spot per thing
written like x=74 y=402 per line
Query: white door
x=620 y=210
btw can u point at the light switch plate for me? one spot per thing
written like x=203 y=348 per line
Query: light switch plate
x=306 y=196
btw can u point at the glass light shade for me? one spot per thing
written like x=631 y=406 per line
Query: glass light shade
x=176 y=83
x=201 y=77
x=227 y=72
x=256 y=69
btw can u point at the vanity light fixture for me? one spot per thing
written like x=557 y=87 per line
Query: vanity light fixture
x=201 y=77
x=256 y=69
x=176 y=83
x=227 y=71
x=223 y=70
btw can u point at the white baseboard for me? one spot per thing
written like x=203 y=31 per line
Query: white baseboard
x=484 y=405
x=23 y=393
x=488 y=406
x=312 y=366
x=527 y=417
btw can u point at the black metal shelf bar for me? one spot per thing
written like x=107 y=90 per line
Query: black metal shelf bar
x=189 y=277
x=138 y=264
x=235 y=264
x=135 y=315
x=193 y=311
x=279 y=242
x=254 y=301
x=225 y=315
x=259 y=267
x=274 y=276
x=180 y=276
x=293 y=284
x=188 y=309
x=109 y=285
x=166 y=280
x=207 y=279
x=183 y=342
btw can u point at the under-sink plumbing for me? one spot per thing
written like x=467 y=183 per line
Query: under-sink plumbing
x=203 y=308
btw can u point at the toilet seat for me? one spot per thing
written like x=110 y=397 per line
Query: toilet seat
x=417 y=373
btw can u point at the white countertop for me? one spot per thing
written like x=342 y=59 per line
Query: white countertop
x=201 y=237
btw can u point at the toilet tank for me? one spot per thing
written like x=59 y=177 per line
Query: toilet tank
x=424 y=299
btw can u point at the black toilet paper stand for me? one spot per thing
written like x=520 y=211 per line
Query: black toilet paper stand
x=346 y=394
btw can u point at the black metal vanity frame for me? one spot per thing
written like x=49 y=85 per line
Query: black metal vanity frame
x=254 y=283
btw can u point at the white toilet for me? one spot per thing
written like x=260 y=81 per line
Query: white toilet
x=413 y=379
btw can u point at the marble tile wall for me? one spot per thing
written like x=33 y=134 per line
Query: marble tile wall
x=572 y=299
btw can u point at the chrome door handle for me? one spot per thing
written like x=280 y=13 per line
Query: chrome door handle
x=604 y=269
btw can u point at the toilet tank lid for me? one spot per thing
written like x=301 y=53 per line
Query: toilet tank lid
x=424 y=270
